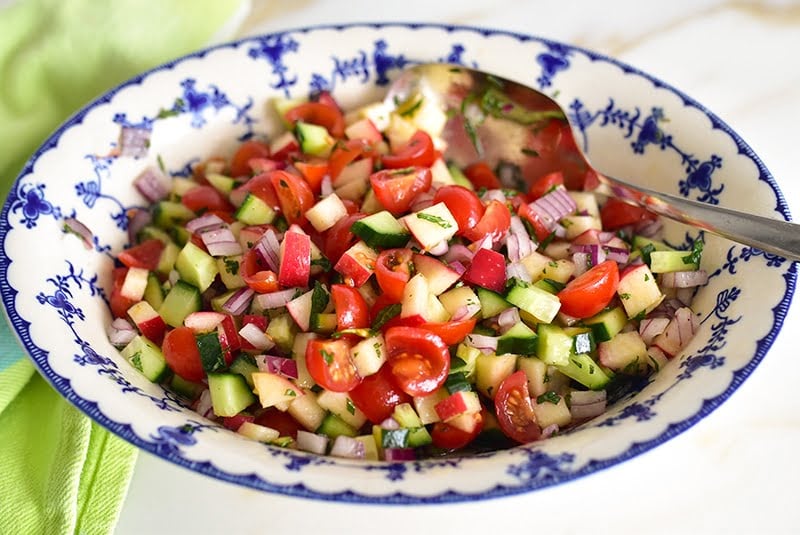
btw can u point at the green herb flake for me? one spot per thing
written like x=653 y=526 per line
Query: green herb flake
x=350 y=407
x=319 y=298
x=694 y=256
x=322 y=262
x=385 y=315
x=552 y=264
x=548 y=397
x=231 y=266
x=435 y=219
x=625 y=296
x=290 y=392
x=328 y=356
x=646 y=251
x=161 y=165
x=377 y=347
x=136 y=360
x=530 y=152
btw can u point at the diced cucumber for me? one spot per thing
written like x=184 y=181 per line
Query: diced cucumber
x=186 y=389
x=394 y=438
x=459 y=178
x=464 y=360
x=211 y=356
x=223 y=184
x=549 y=285
x=586 y=371
x=314 y=139
x=639 y=291
x=326 y=212
x=196 y=266
x=181 y=300
x=370 y=448
x=457 y=382
x=230 y=393
x=519 y=339
x=492 y=303
x=323 y=323
x=153 y=293
x=369 y=355
x=490 y=370
x=168 y=256
x=418 y=437
x=606 y=324
x=668 y=261
x=426 y=406
x=381 y=230
x=340 y=404
x=229 y=268
x=150 y=232
x=169 y=214
x=554 y=346
x=538 y=303
x=640 y=242
x=333 y=426
x=282 y=330
x=146 y=357
x=307 y=411
x=299 y=345
x=405 y=415
x=254 y=211
x=559 y=270
x=582 y=339
x=244 y=365
x=283 y=105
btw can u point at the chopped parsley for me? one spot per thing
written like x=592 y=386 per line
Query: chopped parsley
x=231 y=266
x=548 y=397
x=694 y=256
x=290 y=392
x=625 y=296
x=646 y=250
x=322 y=262
x=435 y=219
x=385 y=315
x=328 y=356
x=161 y=164
x=350 y=407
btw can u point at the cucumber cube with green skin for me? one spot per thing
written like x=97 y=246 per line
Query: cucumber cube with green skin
x=555 y=346
x=254 y=211
x=230 y=393
x=181 y=300
x=583 y=369
x=314 y=139
x=538 y=303
x=519 y=339
x=606 y=324
x=196 y=266
x=333 y=426
x=492 y=303
x=381 y=230
x=146 y=357
x=490 y=370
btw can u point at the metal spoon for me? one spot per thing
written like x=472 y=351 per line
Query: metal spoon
x=486 y=117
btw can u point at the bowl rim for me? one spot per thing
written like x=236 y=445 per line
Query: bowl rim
x=21 y=327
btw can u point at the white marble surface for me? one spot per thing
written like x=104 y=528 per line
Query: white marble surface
x=734 y=472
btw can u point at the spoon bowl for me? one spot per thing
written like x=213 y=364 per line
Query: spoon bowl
x=484 y=117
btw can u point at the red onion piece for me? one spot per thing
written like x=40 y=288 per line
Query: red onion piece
x=390 y=424
x=238 y=302
x=493 y=195
x=684 y=279
x=582 y=262
x=508 y=318
x=487 y=344
x=134 y=142
x=311 y=442
x=658 y=359
x=517 y=271
x=649 y=328
x=549 y=431
x=256 y=337
x=348 y=447
x=678 y=332
x=275 y=299
x=268 y=248
x=399 y=454
x=74 y=226
x=590 y=410
x=221 y=242
x=586 y=397
x=619 y=255
x=684 y=295
x=137 y=220
x=278 y=365
x=152 y=184
x=326 y=187
x=596 y=252
x=512 y=248
x=439 y=249
x=458 y=267
x=203 y=405
x=204 y=223
x=649 y=229
x=121 y=332
x=458 y=253
x=422 y=200
x=553 y=206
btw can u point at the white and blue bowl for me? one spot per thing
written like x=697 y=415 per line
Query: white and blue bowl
x=632 y=125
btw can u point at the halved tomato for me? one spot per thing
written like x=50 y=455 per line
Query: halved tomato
x=589 y=293
x=418 y=358
x=395 y=189
x=331 y=366
x=514 y=410
x=417 y=151
x=392 y=271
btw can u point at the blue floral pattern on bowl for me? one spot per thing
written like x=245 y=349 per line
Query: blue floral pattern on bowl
x=211 y=100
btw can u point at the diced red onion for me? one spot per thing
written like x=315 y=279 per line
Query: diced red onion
x=659 y=358
x=121 y=332
x=311 y=442
x=649 y=328
x=493 y=195
x=619 y=255
x=512 y=248
x=237 y=303
x=278 y=365
x=666 y=309
x=137 y=220
x=678 y=332
x=649 y=229
x=275 y=299
x=458 y=253
x=516 y=270
x=390 y=424
x=422 y=200
x=79 y=229
x=684 y=295
x=348 y=447
x=326 y=186
x=484 y=243
x=458 y=267
x=553 y=206
x=204 y=407
x=549 y=430
x=152 y=184
x=487 y=344
x=582 y=262
x=268 y=248
x=589 y=410
x=203 y=321
x=466 y=311
x=508 y=318
x=221 y=242
x=605 y=236
x=518 y=241
x=256 y=337
x=596 y=252
x=684 y=279
x=205 y=222
x=134 y=142
x=399 y=454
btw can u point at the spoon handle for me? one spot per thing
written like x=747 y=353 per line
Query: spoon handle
x=771 y=235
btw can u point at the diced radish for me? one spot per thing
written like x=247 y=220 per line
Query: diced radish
x=148 y=321
x=432 y=226
x=284 y=145
x=229 y=340
x=364 y=129
x=439 y=276
x=415 y=297
x=357 y=263
x=300 y=310
x=461 y=302
x=326 y=213
x=426 y=406
x=134 y=284
x=638 y=290
x=488 y=270
x=369 y=355
x=273 y=389
x=203 y=321
x=283 y=366
x=457 y=404
x=466 y=422
x=256 y=337
x=440 y=174
x=312 y=442
x=295 y=260
x=357 y=171
x=251 y=235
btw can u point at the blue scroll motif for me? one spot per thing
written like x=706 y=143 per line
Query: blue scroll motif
x=272 y=48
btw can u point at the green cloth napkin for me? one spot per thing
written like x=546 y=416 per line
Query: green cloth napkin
x=60 y=472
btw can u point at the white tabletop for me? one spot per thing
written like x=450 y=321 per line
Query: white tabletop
x=734 y=472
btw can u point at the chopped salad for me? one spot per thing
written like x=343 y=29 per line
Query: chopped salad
x=343 y=289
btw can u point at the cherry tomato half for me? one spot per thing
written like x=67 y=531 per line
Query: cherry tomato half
x=482 y=176
x=417 y=151
x=464 y=204
x=378 y=394
x=495 y=222
x=617 y=214
x=346 y=153
x=392 y=271
x=144 y=255
x=451 y=332
x=514 y=410
x=331 y=366
x=182 y=355
x=419 y=359
x=249 y=150
x=395 y=189
x=204 y=199
x=352 y=311
x=544 y=184
x=589 y=293
x=319 y=113
x=294 y=195
x=256 y=273
x=338 y=238
x=119 y=303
